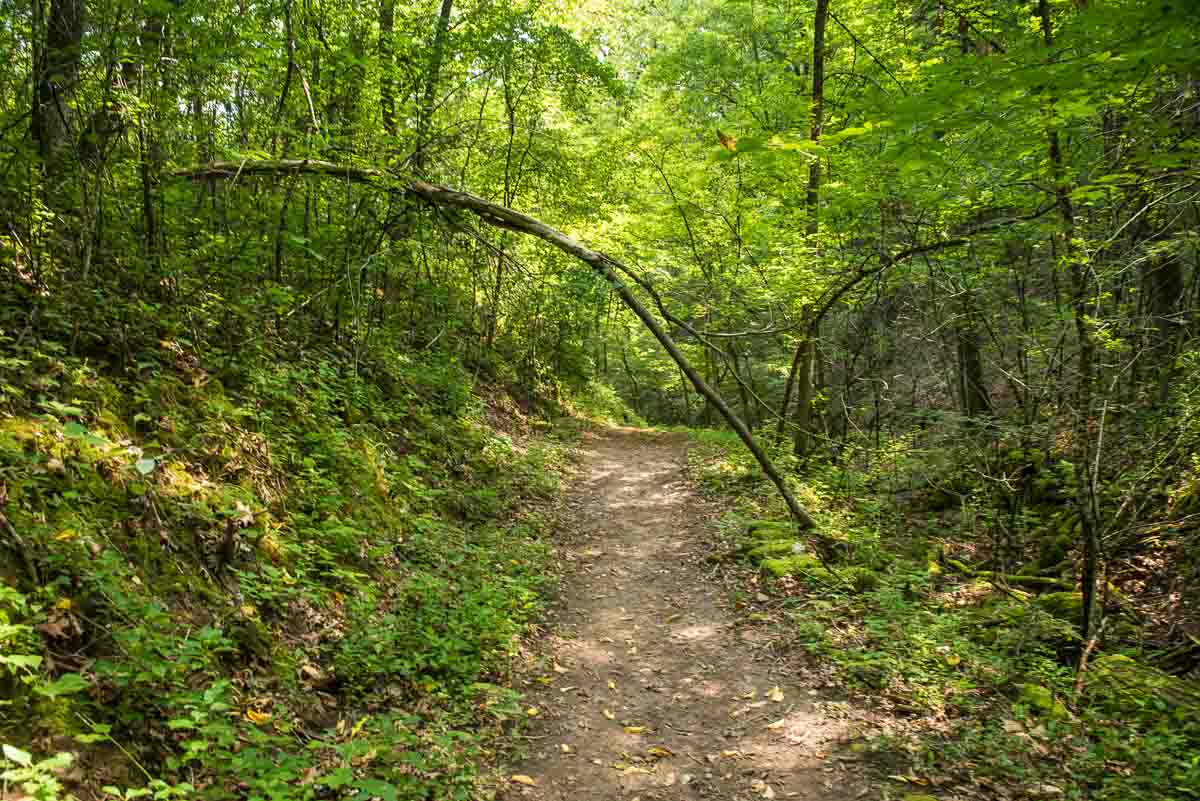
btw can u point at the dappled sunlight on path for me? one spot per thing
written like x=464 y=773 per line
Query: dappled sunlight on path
x=649 y=690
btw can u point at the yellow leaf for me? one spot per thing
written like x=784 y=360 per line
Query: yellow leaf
x=566 y=749
x=607 y=714
x=634 y=729
x=65 y=534
x=63 y=603
x=521 y=778
x=953 y=660
x=657 y=752
x=248 y=610
x=776 y=695
x=257 y=718
x=612 y=685
x=533 y=712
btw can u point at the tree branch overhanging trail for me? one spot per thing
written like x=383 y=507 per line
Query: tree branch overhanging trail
x=608 y=268
x=502 y=217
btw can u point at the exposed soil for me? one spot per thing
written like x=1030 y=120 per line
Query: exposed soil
x=650 y=689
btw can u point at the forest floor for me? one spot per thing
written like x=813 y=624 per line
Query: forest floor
x=647 y=684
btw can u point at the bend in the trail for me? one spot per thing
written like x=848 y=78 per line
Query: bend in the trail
x=651 y=691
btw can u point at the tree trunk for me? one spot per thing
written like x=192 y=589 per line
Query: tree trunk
x=387 y=66
x=432 y=76
x=804 y=396
x=56 y=78
x=1086 y=478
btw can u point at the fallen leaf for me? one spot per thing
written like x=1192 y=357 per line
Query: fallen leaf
x=776 y=695
x=521 y=778
x=779 y=724
x=533 y=712
x=607 y=714
x=257 y=718
x=658 y=752
x=634 y=729
x=560 y=669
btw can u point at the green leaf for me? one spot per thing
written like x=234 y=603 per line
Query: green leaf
x=146 y=466
x=14 y=754
x=74 y=430
x=21 y=660
x=337 y=778
x=66 y=684
x=376 y=788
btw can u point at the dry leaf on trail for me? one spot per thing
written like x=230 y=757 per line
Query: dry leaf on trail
x=776 y=695
x=521 y=778
x=612 y=685
x=658 y=752
x=634 y=729
x=777 y=725
x=533 y=712
x=608 y=714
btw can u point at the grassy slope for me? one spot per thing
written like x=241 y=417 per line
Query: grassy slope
x=976 y=678
x=288 y=582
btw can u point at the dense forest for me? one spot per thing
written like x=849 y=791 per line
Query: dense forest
x=307 y=305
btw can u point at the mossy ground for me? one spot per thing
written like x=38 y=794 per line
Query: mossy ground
x=294 y=580
x=972 y=679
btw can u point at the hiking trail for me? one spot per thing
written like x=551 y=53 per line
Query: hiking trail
x=651 y=689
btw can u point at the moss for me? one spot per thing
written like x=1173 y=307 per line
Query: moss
x=863 y=579
x=793 y=565
x=771 y=529
x=1066 y=606
x=1120 y=684
x=772 y=548
x=1042 y=701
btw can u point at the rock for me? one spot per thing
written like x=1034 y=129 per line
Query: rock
x=1042 y=701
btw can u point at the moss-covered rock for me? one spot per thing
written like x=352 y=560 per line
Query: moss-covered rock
x=804 y=564
x=774 y=548
x=1120 y=685
x=1041 y=700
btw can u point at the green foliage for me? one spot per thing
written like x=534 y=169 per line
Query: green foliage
x=943 y=646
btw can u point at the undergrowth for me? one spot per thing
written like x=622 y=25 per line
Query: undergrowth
x=285 y=579
x=976 y=677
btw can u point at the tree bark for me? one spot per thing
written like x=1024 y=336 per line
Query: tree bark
x=1085 y=497
x=387 y=65
x=432 y=76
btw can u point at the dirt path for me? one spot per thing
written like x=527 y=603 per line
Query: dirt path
x=649 y=689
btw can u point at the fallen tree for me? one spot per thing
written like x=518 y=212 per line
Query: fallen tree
x=502 y=217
